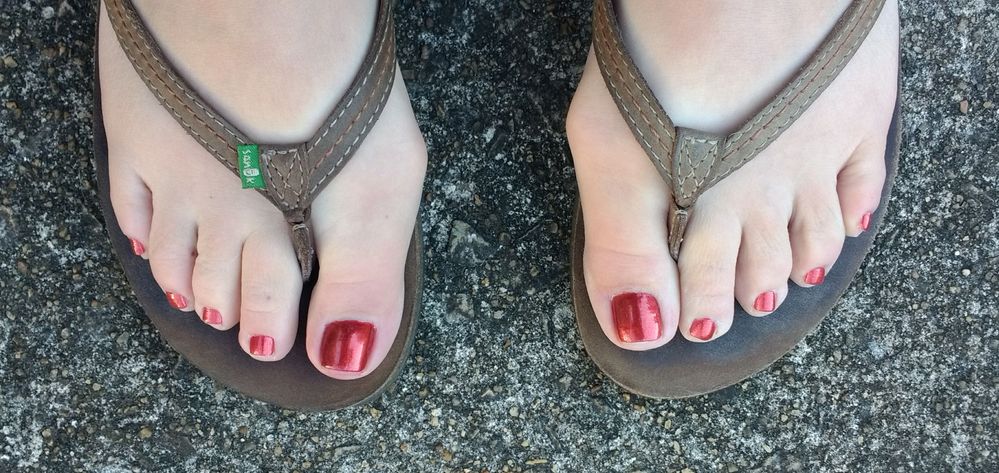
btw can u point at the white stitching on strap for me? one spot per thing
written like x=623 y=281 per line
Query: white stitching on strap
x=179 y=84
x=378 y=107
x=601 y=40
x=360 y=87
x=793 y=93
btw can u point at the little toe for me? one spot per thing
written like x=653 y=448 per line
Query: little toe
x=764 y=264
x=859 y=186
x=270 y=290
x=172 y=241
x=707 y=275
x=216 y=277
x=816 y=232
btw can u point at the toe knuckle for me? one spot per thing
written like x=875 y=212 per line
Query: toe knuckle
x=259 y=297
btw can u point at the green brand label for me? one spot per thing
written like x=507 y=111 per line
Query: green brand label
x=248 y=157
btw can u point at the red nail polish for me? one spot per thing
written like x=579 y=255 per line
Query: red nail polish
x=137 y=247
x=347 y=344
x=211 y=316
x=176 y=301
x=865 y=221
x=703 y=329
x=815 y=276
x=636 y=317
x=261 y=345
x=766 y=302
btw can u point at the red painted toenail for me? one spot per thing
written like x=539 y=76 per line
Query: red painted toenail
x=176 y=301
x=211 y=316
x=636 y=317
x=261 y=345
x=346 y=345
x=766 y=301
x=137 y=247
x=815 y=276
x=865 y=222
x=703 y=329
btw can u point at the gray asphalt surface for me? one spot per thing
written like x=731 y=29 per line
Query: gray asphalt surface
x=901 y=377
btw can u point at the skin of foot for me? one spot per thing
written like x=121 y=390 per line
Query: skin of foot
x=783 y=216
x=224 y=253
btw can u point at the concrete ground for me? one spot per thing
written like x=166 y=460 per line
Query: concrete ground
x=902 y=376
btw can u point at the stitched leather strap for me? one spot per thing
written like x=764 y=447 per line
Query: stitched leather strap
x=293 y=174
x=690 y=161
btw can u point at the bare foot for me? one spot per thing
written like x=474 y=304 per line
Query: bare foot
x=225 y=253
x=782 y=216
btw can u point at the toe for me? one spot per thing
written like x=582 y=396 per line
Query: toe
x=363 y=225
x=172 y=240
x=633 y=295
x=707 y=267
x=216 y=276
x=352 y=324
x=859 y=186
x=630 y=278
x=764 y=263
x=357 y=304
x=270 y=290
x=816 y=232
x=362 y=234
x=132 y=203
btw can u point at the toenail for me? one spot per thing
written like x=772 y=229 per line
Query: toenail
x=766 y=301
x=211 y=316
x=636 y=317
x=815 y=276
x=865 y=222
x=177 y=301
x=261 y=345
x=703 y=329
x=137 y=247
x=346 y=345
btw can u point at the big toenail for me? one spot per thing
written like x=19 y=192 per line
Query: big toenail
x=261 y=345
x=636 y=317
x=177 y=301
x=865 y=222
x=137 y=247
x=815 y=276
x=211 y=316
x=766 y=301
x=703 y=329
x=346 y=345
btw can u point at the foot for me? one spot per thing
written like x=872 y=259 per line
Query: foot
x=783 y=216
x=224 y=253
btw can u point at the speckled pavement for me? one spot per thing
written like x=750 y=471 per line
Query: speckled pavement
x=901 y=377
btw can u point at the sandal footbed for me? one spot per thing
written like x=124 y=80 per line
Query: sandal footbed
x=682 y=368
x=292 y=382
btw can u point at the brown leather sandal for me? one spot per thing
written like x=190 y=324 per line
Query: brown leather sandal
x=290 y=177
x=690 y=162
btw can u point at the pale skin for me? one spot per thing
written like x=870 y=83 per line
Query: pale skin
x=784 y=213
x=713 y=64
x=226 y=248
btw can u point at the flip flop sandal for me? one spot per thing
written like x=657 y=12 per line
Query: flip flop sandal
x=289 y=177
x=690 y=162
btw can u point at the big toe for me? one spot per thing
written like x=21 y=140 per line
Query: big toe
x=363 y=226
x=357 y=303
x=630 y=278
